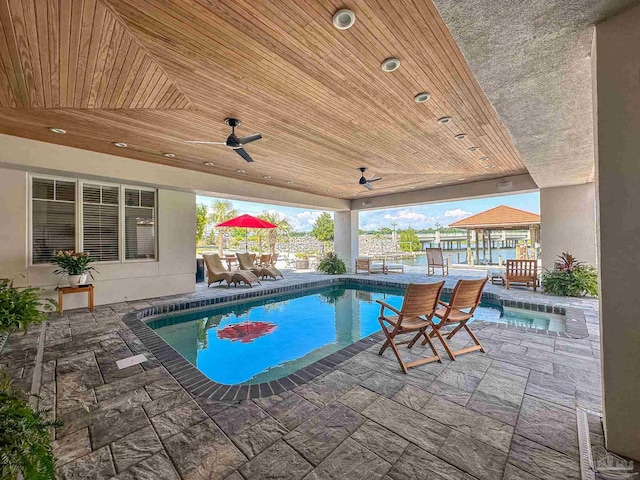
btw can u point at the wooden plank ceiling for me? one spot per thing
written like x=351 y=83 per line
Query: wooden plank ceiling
x=154 y=73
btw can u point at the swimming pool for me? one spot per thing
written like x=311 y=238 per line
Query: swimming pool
x=264 y=340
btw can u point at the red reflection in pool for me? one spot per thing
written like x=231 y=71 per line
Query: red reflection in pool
x=246 y=332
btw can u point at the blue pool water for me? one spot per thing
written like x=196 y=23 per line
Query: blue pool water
x=265 y=340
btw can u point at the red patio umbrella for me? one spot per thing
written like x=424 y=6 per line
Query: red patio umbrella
x=246 y=221
x=246 y=332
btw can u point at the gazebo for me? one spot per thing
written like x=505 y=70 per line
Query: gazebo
x=498 y=218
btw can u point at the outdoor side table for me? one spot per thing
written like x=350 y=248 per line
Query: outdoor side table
x=64 y=290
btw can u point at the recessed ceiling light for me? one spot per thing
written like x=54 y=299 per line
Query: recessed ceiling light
x=208 y=164
x=462 y=179
x=308 y=186
x=326 y=189
x=266 y=177
x=289 y=182
x=344 y=19
x=241 y=171
x=57 y=130
x=482 y=159
x=473 y=149
x=460 y=136
x=490 y=166
x=390 y=65
x=120 y=144
x=443 y=120
x=169 y=155
x=422 y=97
x=438 y=183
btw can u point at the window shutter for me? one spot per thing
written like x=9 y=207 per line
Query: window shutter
x=100 y=222
x=53 y=218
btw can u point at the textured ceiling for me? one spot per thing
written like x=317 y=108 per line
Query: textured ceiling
x=533 y=61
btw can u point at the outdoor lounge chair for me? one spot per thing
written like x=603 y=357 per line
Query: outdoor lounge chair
x=464 y=301
x=522 y=271
x=274 y=259
x=216 y=272
x=244 y=276
x=365 y=264
x=245 y=263
x=435 y=259
x=418 y=307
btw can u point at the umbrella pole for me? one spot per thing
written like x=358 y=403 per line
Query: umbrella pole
x=246 y=240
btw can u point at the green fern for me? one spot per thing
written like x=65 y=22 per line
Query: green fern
x=21 y=307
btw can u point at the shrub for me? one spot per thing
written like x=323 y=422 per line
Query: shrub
x=22 y=307
x=25 y=440
x=332 y=264
x=570 y=278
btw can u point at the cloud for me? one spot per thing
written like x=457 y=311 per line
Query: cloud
x=303 y=221
x=458 y=212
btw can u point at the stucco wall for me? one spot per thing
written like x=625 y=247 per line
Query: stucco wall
x=618 y=171
x=568 y=223
x=173 y=273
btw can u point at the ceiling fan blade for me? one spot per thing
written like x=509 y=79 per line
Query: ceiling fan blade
x=204 y=142
x=374 y=179
x=367 y=186
x=243 y=153
x=249 y=138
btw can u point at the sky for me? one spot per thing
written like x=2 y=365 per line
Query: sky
x=417 y=217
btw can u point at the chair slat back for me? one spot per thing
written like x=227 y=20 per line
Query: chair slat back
x=213 y=263
x=467 y=294
x=244 y=260
x=434 y=256
x=363 y=263
x=265 y=259
x=522 y=268
x=421 y=299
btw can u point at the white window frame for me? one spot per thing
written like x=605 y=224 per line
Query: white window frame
x=123 y=246
x=79 y=202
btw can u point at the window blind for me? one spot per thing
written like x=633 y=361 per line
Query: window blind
x=53 y=216
x=100 y=222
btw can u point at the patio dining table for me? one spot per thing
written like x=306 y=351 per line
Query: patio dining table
x=231 y=260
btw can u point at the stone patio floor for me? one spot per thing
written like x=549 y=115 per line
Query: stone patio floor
x=507 y=414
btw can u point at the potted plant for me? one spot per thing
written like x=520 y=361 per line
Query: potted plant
x=570 y=278
x=302 y=261
x=75 y=265
x=21 y=307
x=332 y=264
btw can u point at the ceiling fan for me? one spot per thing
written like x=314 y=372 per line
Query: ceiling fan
x=234 y=142
x=365 y=182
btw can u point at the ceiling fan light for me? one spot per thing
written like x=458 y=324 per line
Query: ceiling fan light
x=344 y=19
x=390 y=65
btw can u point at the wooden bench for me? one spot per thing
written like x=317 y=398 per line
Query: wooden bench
x=522 y=271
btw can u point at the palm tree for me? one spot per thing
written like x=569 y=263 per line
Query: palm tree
x=283 y=227
x=222 y=211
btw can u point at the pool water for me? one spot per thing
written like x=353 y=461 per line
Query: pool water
x=264 y=340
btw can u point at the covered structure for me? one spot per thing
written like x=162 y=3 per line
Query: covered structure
x=498 y=218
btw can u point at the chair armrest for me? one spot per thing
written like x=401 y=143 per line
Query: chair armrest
x=386 y=305
x=446 y=261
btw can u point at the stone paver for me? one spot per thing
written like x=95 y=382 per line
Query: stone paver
x=504 y=414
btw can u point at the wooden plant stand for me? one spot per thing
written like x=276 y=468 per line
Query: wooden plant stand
x=64 y=290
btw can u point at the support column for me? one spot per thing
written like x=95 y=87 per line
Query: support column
x=568 y=223
x=345 y=236
x=617 y=123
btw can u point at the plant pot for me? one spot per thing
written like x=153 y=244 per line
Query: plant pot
x=76 y=280
x=302 y=264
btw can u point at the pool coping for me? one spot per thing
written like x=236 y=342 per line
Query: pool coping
x=199 y=385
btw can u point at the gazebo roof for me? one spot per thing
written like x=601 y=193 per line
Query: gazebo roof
x=499 y=218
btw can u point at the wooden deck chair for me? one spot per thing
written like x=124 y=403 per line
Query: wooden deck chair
x=365 y=264
x=216 y=272
x=435 y=259
x=274 y=259
x=265 y=260
x=522 y=271
x=418 y=307
x=245 y=262
x=464 y=301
